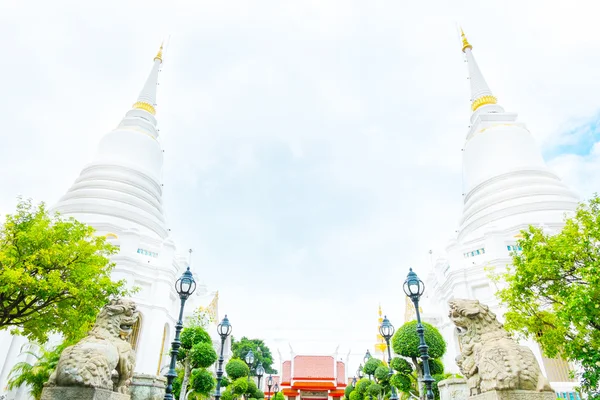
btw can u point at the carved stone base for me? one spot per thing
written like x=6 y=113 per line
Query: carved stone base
x=514 y=395
x=82 y=393
x=453 y=389
x=147 y=387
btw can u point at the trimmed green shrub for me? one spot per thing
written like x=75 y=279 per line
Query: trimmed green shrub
x=236 y=368
x=406 y=341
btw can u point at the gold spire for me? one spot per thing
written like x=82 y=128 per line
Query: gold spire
x=159 y=54
x=465 y=42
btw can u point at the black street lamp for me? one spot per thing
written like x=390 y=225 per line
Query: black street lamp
x=414 y=288
x=387 y=331
x=366 y=359
x=276 y=389
x=354 y=382
x=184 y=286
x=269 y=385
x=249 y=361
x=224 y=330
x=360 y=372
x=260 y=371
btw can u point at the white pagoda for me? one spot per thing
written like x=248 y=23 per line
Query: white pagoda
x=120 y=194
x=507 y=187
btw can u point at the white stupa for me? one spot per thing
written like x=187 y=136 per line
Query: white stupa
x=120 y=194
x=507 y=187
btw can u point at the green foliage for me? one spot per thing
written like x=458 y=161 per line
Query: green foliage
x=354 y=395
x=401 y=365
x=278 y=396
x=240 y=349
x=202 y=355
x=225 y=382
x=401 y=382
x=192 y=335
x=202 y=381
x=54 y=275
x=382 y=373
x=38 y=373
x=252 y=388
x=436 y=367
x=371 y=365
x=236 y=368
x=258 y=394
x=406 y=341
x=227 y=395
x=240 y=385
x=177 y=382
x=552 y=292
x=362 y=385
x=375 y=390
x=347 y=391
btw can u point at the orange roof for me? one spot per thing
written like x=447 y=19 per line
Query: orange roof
x=313 y=385
x=313 y=367
x=336 y=393
x=286 y=372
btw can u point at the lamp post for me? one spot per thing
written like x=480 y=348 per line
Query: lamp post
x=184 y=286
x=414 y=288
x=276 y=389
x=354 y=382
x=387 y=331
x=360 y=372
x=249 y=361
x=269 y=385
x=224 y=330
x=260 y=371
x=366 y=359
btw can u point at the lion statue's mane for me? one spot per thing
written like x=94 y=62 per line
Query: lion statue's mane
x=490 y=359
x=92 y=361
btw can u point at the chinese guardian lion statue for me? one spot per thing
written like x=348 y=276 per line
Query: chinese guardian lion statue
x=490 y=359
x=91 y=362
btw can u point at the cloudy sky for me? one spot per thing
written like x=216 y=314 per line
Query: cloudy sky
x=312 y=148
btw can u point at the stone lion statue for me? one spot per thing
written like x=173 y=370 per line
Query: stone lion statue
x=490 y=359
x=92 y=361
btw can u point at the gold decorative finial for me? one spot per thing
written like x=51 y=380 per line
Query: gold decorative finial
x=465 y=42
x=159 y=54
x=380 y=310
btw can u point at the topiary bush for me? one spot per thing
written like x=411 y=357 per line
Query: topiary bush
x=347 y=391
x=382 y=373
x=372 y=365
x=240 y=385
x=202 y=355
x=401 y=382
x=251 y=388
x=375 y=390
x=406 y=341
x=362 y=385
x=354 y=395
x=258 y=394
x=202 y=381
x=190 y=336
x=401 y=365
x=436 y=367
x=227 y=395
x=236 y=368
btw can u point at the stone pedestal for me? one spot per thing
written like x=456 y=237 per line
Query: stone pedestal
x=81 y=393
x=514 y=395
x=147 y=387
x=453 y=389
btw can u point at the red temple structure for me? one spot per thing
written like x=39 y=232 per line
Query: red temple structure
x=312 y=378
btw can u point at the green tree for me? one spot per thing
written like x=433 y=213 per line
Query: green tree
x=196 y=354
x=371 y=366
x=278 y=396
x=37 y=373
x=262 y=353
x=54 y=274
x=236 y=368
x=552 y=292
x=406 y=343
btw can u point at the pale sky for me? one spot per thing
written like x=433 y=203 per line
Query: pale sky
x=312 y=148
